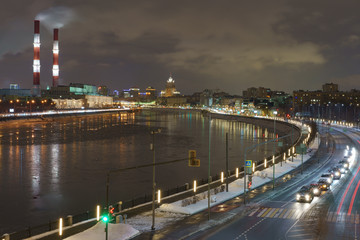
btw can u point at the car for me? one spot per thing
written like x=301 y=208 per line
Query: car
x=345 y=164
x=341 y=168
x=315 y=188
x=324 y=184
x=335 y=172
x=328 y=176
x=304 y=194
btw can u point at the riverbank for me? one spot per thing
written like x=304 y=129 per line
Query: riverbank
x=52 y=114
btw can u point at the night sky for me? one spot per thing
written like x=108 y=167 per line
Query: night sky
x=226 y=45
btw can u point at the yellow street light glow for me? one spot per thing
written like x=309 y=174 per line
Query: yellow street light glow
x=284 y=156
x=222 y=177
x=265 y=163
x=159 y=196
x=60 y=227
x=194 y=185
x=97 y=213
x=237 y=172
x=293 y=150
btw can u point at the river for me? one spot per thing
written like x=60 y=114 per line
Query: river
x=53 y=168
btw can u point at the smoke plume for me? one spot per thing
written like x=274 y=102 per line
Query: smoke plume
x=56 y=17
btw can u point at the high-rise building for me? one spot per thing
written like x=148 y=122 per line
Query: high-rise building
x=170 y=89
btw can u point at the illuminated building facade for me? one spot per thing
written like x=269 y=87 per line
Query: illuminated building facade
x=170 y=89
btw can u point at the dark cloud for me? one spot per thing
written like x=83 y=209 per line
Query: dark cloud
x=229 y=45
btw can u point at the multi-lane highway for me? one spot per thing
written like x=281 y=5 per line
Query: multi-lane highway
x=275 y=214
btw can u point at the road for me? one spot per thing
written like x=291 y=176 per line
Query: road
x=275 y=214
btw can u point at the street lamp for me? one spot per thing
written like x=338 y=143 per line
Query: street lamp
x=152 y=148
x=209 y=177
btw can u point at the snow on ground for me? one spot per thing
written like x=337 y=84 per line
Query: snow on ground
x=237 y=187
x=143 y=222
x=116 y=232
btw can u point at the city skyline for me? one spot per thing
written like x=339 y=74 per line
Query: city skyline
x=233 y=46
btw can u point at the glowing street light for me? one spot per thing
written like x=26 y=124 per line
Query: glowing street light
x=60 y=227
x=97 y=213
x=159 y=196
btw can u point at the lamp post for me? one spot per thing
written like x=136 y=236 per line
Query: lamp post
x=209 y=177
x=275 y=113
x=152 y=148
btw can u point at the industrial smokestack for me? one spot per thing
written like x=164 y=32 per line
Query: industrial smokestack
x=55 y=69
x=36 y=64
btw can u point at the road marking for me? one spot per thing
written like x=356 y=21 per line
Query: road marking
x=261 y=212
x=276 y=213
x=291 y=213
x=270 y=213
x=283 y=212
x=267 y=211
x=287 y=213
x=253 y=212
x=247 y=230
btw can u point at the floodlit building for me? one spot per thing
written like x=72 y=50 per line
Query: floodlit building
x=170 y=89
x=78 y=95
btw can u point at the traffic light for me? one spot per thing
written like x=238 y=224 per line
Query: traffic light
x=193 y=162
x=111 y=210
x=250 y=181
x=105 y=219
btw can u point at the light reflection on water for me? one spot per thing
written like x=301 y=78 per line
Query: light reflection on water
x=55 y=168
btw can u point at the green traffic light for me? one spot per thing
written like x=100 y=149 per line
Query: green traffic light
x=105 y=219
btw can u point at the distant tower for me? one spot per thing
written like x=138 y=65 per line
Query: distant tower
x=55 y=69
x=170 y=88
x=36 y=64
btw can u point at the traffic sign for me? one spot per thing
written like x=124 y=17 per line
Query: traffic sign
x=300 y=150
x=248 y=163
x=280 y=144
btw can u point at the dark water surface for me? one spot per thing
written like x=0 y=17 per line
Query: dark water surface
x=50 y=169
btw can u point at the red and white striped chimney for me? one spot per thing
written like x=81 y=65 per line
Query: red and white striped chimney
x=55 y=68
x=36 y=64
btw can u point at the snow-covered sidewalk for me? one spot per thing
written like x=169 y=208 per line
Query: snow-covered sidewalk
x=236 y=188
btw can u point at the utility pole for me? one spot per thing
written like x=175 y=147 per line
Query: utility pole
x=152 y=147
x=227 y=162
